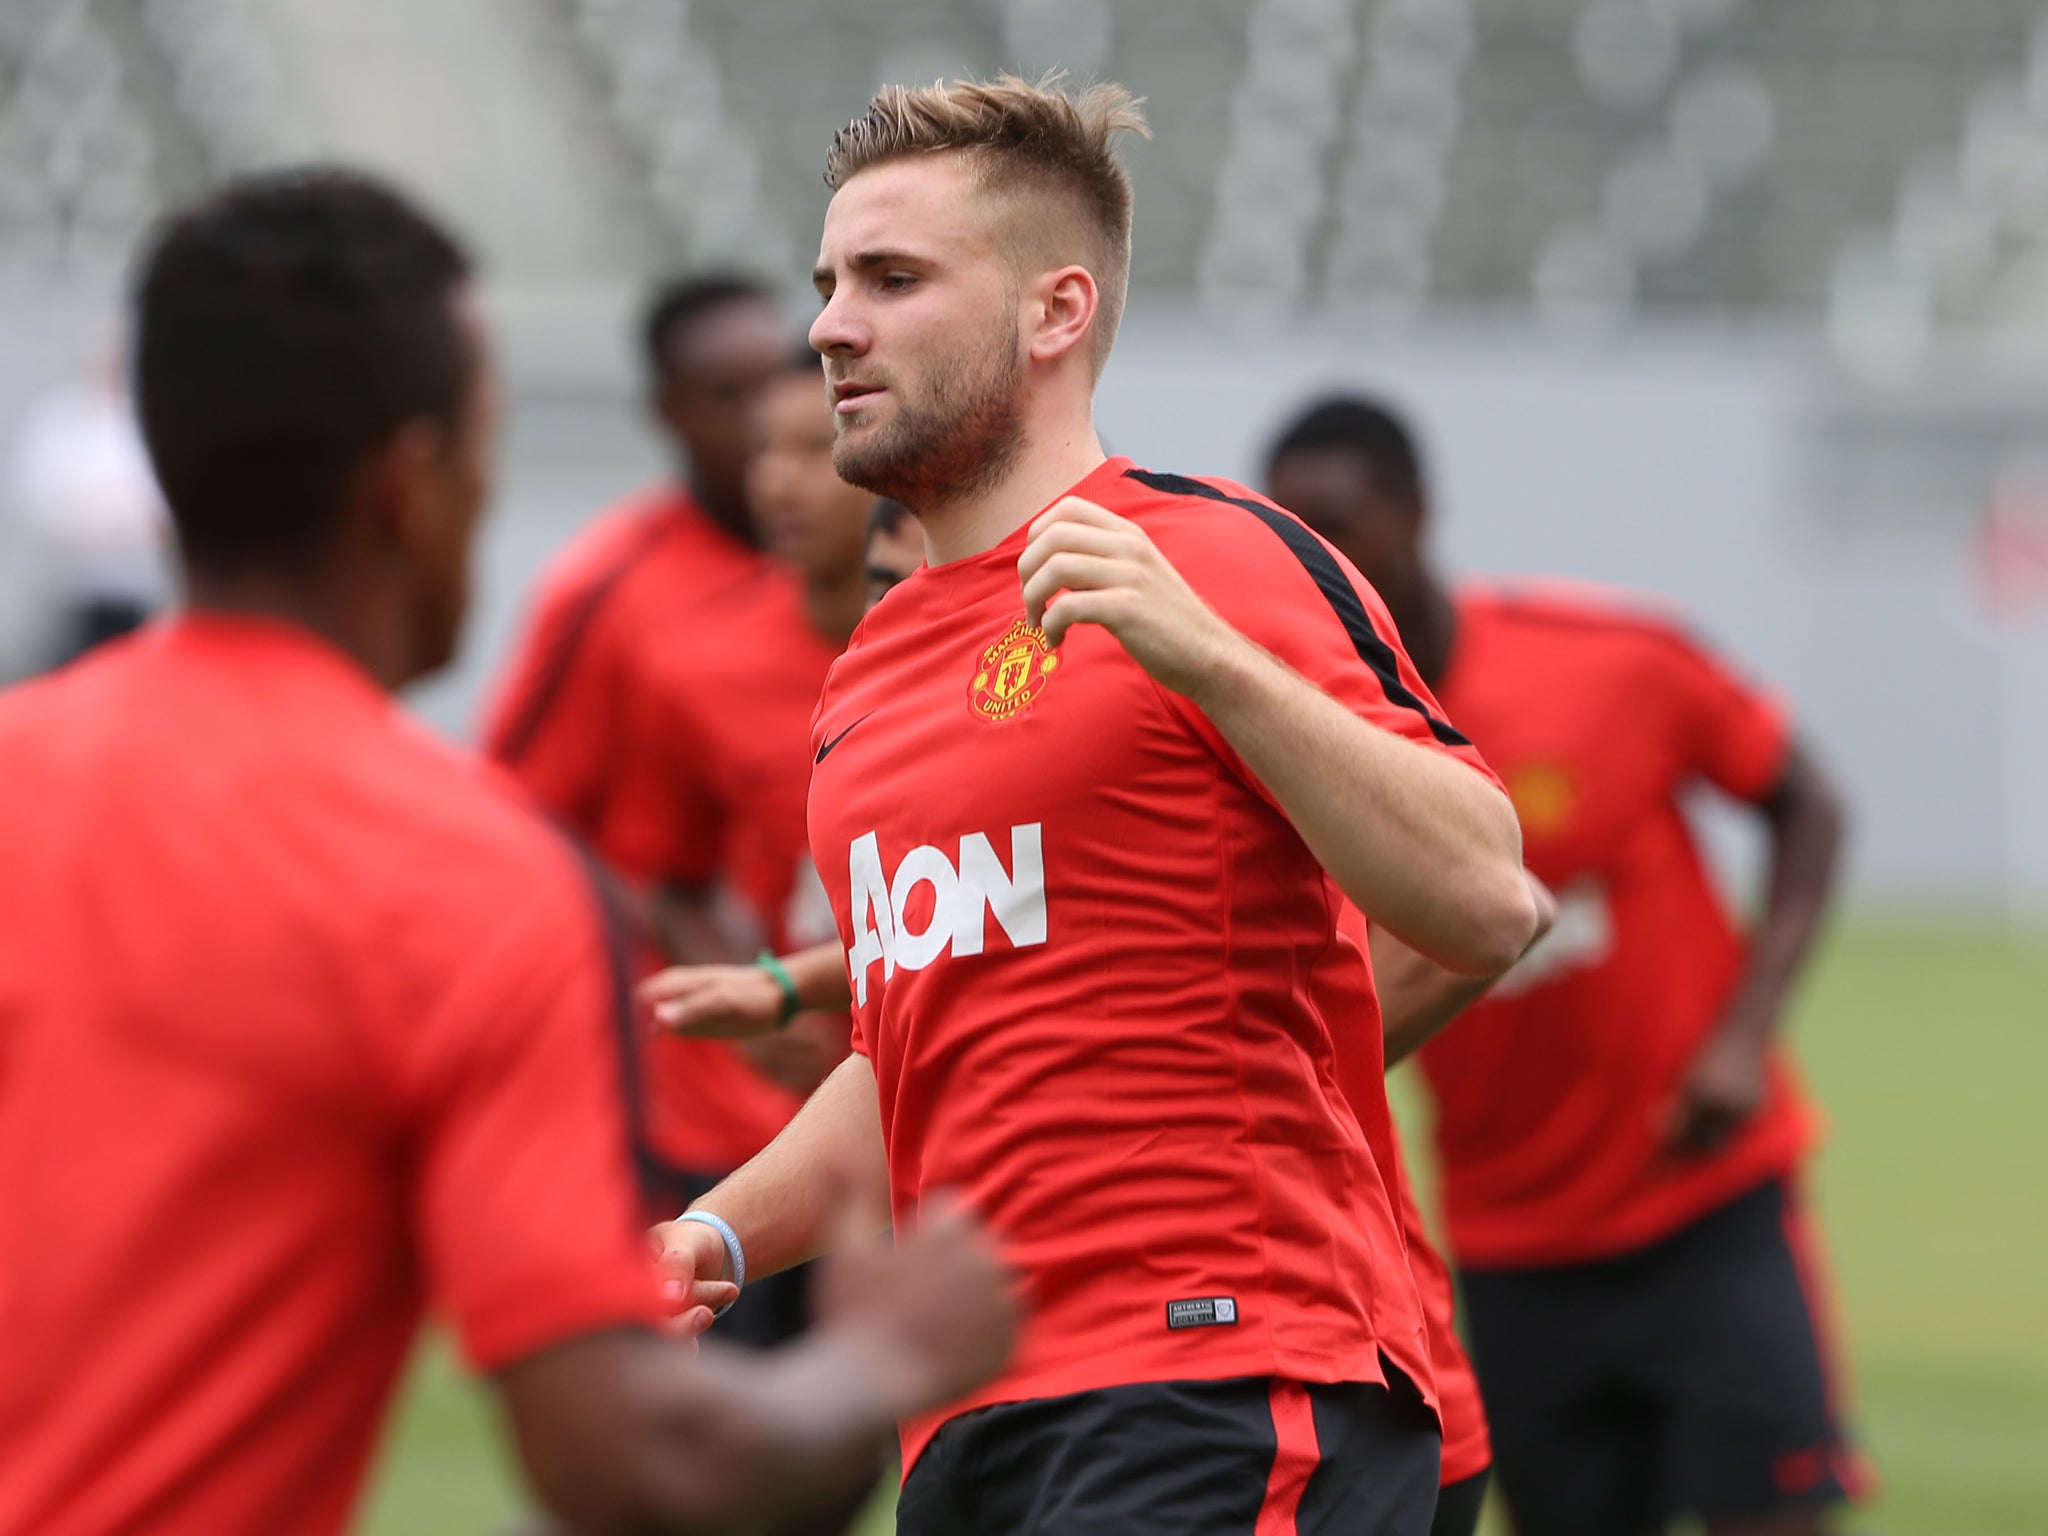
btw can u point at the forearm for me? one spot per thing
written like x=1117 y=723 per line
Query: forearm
x=820 y=976
x=1418 y=997
x=781 y=1203
x=660 y=1441
x=1424 y=846
x=1807 y=821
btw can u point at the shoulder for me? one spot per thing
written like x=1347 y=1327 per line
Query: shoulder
x=1588 y=612
x=606 y=546
x=456 y=838
x=1205 y=522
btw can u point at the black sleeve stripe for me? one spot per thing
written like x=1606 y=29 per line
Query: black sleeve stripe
x=1330 y=580
x=664 y=1188
x=518 y=737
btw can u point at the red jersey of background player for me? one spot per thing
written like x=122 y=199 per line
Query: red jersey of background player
x=1551 y=1091
x=558 y=713
x=299 y=1028
x=714 y=793
x=1097 y=971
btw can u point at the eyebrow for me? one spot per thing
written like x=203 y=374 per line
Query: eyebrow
x=865 y=261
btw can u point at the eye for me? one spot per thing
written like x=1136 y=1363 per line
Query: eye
x=896 y=282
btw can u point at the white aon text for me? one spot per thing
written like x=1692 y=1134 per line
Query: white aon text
x=965 y=893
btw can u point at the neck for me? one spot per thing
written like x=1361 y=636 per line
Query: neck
x=1429 y=628
x=726 y=510
x=836 y=603
x=973 y=525
x=354 y=625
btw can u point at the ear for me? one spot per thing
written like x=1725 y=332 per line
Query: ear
x=398 y=480
x=1063 y=313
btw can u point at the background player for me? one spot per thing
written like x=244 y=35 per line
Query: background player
x=305 y=1014
x=1618 y=1136
x=724 y=742
x=634 y=572
x=619 y=602
x=1079 y=873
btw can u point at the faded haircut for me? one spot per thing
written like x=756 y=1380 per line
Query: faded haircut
x=1020 y=137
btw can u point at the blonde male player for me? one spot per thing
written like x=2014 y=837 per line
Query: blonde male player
x=1076 y=786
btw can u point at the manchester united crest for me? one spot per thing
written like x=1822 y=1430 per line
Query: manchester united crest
x=1544 y=797
x=1012 y=673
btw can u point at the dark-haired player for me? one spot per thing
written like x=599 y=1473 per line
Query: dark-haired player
x=555 y=719
x=1076 y=788
x=303 y=1015
x=1619 y=1138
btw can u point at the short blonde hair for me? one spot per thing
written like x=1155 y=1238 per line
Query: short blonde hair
x=1020 y=136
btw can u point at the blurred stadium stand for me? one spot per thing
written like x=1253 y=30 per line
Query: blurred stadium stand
x=1742 y=300
x=1880 y=166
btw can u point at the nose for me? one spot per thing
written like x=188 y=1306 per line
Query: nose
x=837 y=332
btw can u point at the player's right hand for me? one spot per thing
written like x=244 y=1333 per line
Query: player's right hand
x=935 y=1315
x=694 y=1277
x=715 y=1002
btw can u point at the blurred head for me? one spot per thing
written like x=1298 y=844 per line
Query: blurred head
x=895 y=547
x=1349 y=468
x=806 y=514
x=973 y=270
x=312 y=382
x=710 y=344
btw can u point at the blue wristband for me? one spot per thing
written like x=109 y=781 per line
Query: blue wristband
x=734 y=1253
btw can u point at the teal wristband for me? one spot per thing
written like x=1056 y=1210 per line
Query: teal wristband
x=792 y=1000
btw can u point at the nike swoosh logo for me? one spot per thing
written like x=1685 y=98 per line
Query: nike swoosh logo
x=825 y=747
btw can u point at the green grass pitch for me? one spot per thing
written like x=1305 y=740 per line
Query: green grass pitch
x=1928 y=1044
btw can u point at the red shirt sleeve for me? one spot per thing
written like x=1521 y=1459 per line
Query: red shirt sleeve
x=523 y=1200
x=662 y=819
x=553 y=718
x=1281 y=586
x=1733 y=733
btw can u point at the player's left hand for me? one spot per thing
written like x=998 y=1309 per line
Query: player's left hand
x=1721 y=1091
x=715 y=1002
x=1083 y=564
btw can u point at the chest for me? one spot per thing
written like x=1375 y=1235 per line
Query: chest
x=1582 y=737
x=978 y=788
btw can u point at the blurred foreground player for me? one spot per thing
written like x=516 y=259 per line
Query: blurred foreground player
x=1079 y=872
x=1618 y=1137
x=556 y=718
x=305 y=1014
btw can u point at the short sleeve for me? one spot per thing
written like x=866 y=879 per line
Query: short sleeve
x=1733 y=733
x=553 y=715
x=1278 y=584
x=523 y=1194
x=662 y=820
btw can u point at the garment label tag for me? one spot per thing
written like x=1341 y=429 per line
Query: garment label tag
x=1203 y=1312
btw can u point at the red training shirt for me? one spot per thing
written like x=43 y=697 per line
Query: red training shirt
x=1097 y=971
x=303 y=1023
x=1553 y=1093
x=1361 y=1072
x=723 y=740
x=556 y=718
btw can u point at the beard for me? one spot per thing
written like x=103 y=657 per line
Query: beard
x=959 y=438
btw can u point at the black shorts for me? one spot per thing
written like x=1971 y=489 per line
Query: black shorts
x=1687 y=1377
x=1458 y=1505
x=1248 y=1456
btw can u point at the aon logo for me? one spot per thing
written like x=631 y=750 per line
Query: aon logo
x=965 y=894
